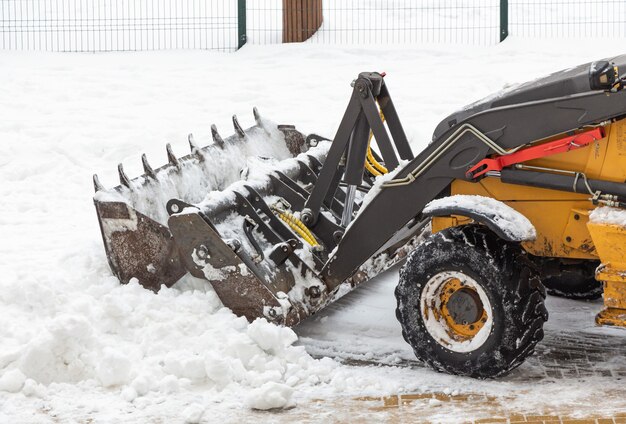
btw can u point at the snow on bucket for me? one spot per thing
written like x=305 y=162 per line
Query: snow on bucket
x=133 y=215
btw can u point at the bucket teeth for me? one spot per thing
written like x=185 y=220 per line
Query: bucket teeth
x=257 y=116
x=171 y=157
x=123 y=177
x=217 y=138
x=96 y=183
x=147 y=169
x=259 y=120
x=195 y=150
x=238 y=130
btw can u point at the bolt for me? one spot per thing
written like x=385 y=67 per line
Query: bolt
x=306 y=216
x=174 y=208
x=202 y=252
x=272 y=313
x=568 y=239
x=314 y=292
x=576 y=217
x=234 y=244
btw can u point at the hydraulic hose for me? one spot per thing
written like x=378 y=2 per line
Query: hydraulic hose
x=371 y=164
x=298 y=226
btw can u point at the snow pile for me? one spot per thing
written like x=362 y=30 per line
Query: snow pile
x=608 y=215
x=515 y=225
x=12 y=381
x=271 y=395
x=132 y=340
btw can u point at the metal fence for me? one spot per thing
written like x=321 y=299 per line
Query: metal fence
x=265 y=21
x=122 y=25
x=381 y=21
x=567 y=18
x=445 y=21
x=409 y=21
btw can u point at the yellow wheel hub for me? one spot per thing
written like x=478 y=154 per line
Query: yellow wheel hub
x=461 y=309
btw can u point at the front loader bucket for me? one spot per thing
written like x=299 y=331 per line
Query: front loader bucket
x=133 y=216
x=266 y=214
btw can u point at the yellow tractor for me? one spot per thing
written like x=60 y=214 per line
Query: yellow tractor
x=521 y=191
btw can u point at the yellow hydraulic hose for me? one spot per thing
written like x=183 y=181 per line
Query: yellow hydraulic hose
x=371 y=164
x=298 y=226
x=369 y=167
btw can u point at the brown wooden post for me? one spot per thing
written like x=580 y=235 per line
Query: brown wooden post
x=301 y=18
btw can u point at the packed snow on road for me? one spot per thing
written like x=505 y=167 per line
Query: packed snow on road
x=78 y=346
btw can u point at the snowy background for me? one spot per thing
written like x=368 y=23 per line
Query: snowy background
x=75 y=346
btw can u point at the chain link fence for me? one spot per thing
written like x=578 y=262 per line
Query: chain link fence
x=126 y=25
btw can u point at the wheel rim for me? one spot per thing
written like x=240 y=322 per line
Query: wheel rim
x=456 y=311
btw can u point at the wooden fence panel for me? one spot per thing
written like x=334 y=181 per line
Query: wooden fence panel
x=301 y=18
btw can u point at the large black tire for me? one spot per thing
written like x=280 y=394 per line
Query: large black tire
x=504 y=274
x=572 y=279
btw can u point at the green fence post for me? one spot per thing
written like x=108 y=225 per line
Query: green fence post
x=504 y=19
x=241 y=23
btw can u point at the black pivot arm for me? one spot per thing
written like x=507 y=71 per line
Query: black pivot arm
x=351 y=142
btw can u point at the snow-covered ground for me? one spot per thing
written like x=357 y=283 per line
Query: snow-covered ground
x=77 y=346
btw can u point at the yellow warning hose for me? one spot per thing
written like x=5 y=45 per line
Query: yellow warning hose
x=371 y=164
x=298 y=226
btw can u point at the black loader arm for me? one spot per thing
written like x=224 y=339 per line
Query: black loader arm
x=400 y=200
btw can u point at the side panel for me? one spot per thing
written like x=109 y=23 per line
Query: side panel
x=553 y=220
x=559 y=217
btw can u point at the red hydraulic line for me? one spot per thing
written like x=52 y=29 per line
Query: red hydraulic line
x=561 y=145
